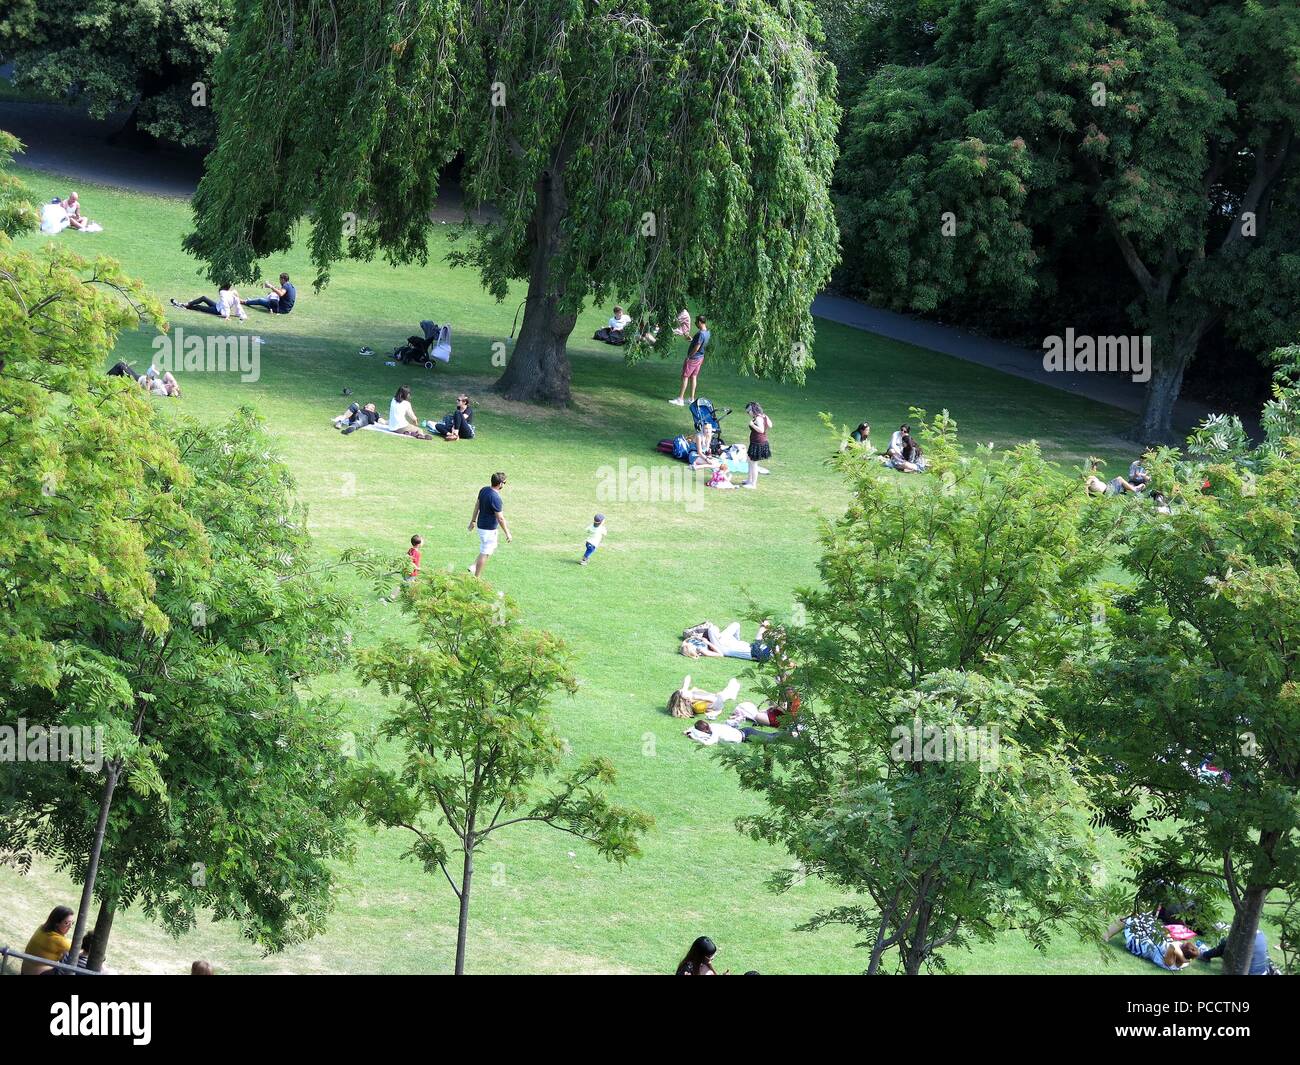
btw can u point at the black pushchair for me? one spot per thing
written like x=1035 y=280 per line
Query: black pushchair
x=704 y=413
x=423 y=351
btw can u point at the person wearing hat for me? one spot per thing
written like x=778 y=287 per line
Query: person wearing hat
x=595 y=534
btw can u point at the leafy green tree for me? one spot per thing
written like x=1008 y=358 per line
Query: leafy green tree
x=80 y=459
x=943 y=607
x=1204 y=667
x=649 y=150
x=16 y=212
x=476 y=741
x=221 y=787
x=997 y=144
x=150 y=56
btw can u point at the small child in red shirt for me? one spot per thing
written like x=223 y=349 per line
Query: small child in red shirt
x=417 y=542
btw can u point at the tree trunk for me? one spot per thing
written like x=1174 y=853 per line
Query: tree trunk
x=538 y=371
x=1245 y=919
x=92 y=867
x=1241 y=936
x=462 y=928
x=1156 y=423
x=103 y=928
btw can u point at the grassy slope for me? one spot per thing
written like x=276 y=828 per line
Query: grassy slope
x=543 y=904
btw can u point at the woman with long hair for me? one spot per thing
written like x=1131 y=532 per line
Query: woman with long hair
x=759 y=449
x=699 y=959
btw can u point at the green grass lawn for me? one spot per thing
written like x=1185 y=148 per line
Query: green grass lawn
x=543 y=903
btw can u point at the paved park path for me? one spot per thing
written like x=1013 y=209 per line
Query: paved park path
x=65 y=141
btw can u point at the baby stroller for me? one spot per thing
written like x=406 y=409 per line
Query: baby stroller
x=422 y=351
x=704 y=413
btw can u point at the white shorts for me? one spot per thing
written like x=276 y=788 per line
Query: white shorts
x=487 y=541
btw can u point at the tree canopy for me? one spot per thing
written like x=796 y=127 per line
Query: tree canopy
x=921 y=774
x=651 y=151
x=1007 y=152
x=478 y=747
x=116 y=55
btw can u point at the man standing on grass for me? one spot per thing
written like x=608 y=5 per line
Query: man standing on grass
x=487 y=516
x=694 y=360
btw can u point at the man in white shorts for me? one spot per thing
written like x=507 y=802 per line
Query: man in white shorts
x=487 y=518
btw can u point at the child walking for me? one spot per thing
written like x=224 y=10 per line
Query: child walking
x=413 y=554
x=595 y=534
x=417 y=541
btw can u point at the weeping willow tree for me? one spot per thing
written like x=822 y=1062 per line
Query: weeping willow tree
x=644 y=150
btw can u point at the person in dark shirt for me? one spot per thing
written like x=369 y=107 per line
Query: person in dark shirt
x=487 y=517
x=1259 y=963
x=281 y=299
x=356 y=417
x=459 y=424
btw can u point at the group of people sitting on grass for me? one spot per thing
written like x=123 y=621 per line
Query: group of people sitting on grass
x=615 y=331
x=747 y=722
x=153 y=382
x=456 y=425
x=280 y=299
x=903 y=453
x=60 y=214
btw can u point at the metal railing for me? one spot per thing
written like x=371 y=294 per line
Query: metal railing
x=60 y=967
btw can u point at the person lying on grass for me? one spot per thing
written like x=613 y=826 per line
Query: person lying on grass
x=776 y=714
x=687 y=700
x=1118 y=486
x=1145 y=937
x=356 y=417
x=226 y=303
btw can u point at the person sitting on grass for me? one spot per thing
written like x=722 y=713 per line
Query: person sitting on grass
x=226 y=303
x=281 y=299
x=1260 y=963
x=1145 y=937
x=721 y=476
x=699 y=959
x=860 y=436
x=76 y=220
x=459 y=424
x=401 y=418
x=156 y=384
x=356 y=417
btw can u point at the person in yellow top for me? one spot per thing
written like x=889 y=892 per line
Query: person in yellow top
x=50 y=941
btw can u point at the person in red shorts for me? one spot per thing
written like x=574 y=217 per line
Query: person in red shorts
x=694 y=360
